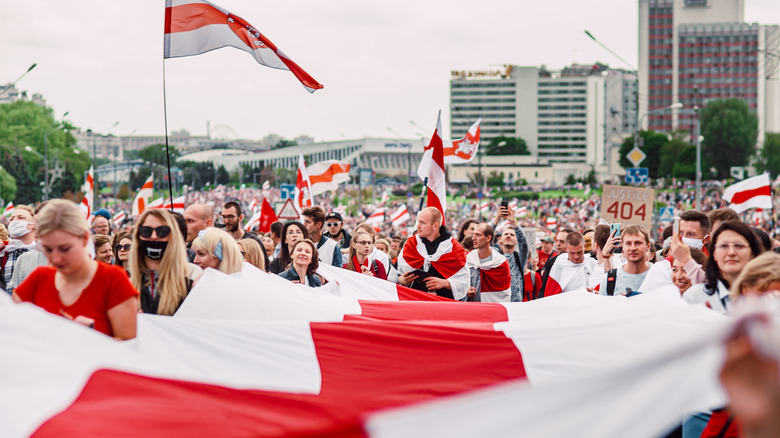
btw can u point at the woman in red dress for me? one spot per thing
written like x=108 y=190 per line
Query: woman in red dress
x=74 y=286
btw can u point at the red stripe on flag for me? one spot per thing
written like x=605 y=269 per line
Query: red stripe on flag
x=746 y=195
x=327 y=176
x=366 y=366
x=184 y=18
x=437 y=311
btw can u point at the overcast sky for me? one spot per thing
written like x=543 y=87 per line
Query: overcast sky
x=382 y=63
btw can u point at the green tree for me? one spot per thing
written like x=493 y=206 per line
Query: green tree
x=506 y=146
x=284 y=144
x=495 y=179
x=28 y=191
x=769 y=155
x=730 y=131
x=223 y=177
x=156 y=154
x=653 y=142
x=671 y=153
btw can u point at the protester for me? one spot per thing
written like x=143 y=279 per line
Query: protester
x=679 y=276
x=359 y=261
x=489 y=273
x=103 y=251
x=199 y=217
x=762 y=274
x=252 y=253
x=335 y=230
x=268 y=246
x=467 y=229
x=304 y=264
x=720 y=215
x=513 y=245
x=158 y=263
x=292 y=232
x=532 y=281
x=545 y=252
x=101 y=224
x=329 y=251
x=438 y=255
x=94 y=294
x=635 y=243
x=380 y=256
x=31 y=259
x=382 y=245
x=276 y=236
x=123 y=242
x=570 y=270
x=733 y=246
x=214 y=248
x=234 y=222
x=21 y=230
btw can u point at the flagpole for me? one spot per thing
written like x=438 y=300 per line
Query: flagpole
x=167 y=148
x=422 y=195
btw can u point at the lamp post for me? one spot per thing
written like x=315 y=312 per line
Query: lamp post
x=17 y=79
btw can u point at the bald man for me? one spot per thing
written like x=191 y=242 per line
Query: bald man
x=438 y=255
x=198 y=217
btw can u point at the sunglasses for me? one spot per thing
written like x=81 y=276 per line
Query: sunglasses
x=125 y=247
x=146 y=232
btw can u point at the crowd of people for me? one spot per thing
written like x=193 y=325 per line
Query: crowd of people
x=102 y=277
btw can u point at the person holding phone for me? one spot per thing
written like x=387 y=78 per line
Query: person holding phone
x=513 y=245
x=623 y=280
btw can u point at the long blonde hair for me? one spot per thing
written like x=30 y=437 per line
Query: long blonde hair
x=172 y=283
x=208 y=240
x=253 y=253
x=352 y=251
x=60 y=215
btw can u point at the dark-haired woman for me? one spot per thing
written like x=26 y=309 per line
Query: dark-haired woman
x=304 y=264
x=292 y=232
x=733 y=246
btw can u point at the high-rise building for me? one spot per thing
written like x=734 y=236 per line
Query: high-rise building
x=572 y=118
x=692 y=51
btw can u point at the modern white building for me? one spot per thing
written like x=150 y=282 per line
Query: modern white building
x=572 y=120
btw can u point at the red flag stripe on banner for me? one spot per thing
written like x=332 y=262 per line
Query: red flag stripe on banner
x=327 y=176
x=743 y=196
x=191 y=16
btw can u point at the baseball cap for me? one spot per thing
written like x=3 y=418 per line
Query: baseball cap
x=548 y=239
x=103 y=212
x=334 y=215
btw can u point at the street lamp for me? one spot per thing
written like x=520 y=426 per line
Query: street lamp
x=17 y=79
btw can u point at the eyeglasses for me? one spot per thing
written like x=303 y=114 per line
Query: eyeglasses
x=125 y=247
x=146 y=232
x=333 y=224
x=724 y=247
x=365 y=242
x=294 y=232
x=229 y=217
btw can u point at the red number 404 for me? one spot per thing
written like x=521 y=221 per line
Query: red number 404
x=625 y=210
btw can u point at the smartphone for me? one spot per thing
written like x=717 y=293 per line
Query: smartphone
x=505 y=204
x=616 y=229
x=676 y=226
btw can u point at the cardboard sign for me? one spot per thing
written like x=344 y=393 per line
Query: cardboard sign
x=627 y=205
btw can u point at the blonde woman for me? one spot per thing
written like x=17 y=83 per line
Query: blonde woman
x=158 y=263
x=97 y=295
x=252 y=253
x=359 y=249
x=761 y=275
x=215 y=248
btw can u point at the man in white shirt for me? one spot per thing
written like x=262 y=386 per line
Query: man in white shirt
x=635 y=242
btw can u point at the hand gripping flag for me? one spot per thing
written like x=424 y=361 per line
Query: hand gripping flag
x=753 y=192
x=432 y=167
x=463 y=150
x=193 y=27
x=142 y=198
x=303 y=196
x=327 y=175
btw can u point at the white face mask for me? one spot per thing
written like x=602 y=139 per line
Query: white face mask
x=18 y=228
x=693 y=243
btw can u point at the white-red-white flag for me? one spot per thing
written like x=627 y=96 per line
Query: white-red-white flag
x=384 y=199
x=377 y=217
x=432 y=167
x=303 y=195
x=327 y=175
x=552 y=222
x=158 y=203
x=253 y=205
x=521 y=212
x=193 y=27
x=119 y=218
x=89 y=193
x=753 y=192
x=400 y=216
x=142 y=198
x=9 y=209
x=177 y=204
x=465 y=149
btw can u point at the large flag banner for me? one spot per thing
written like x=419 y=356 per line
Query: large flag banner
x=753 y=192
x=303 y=194
x=463 y=150
x=142 y=198
x=285 y=360
x=327 y=175
x=193 y=27
x=432 y=167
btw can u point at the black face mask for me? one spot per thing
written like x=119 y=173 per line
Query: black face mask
x=153 y=249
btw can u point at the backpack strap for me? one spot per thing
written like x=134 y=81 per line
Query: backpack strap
x=611 y=280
